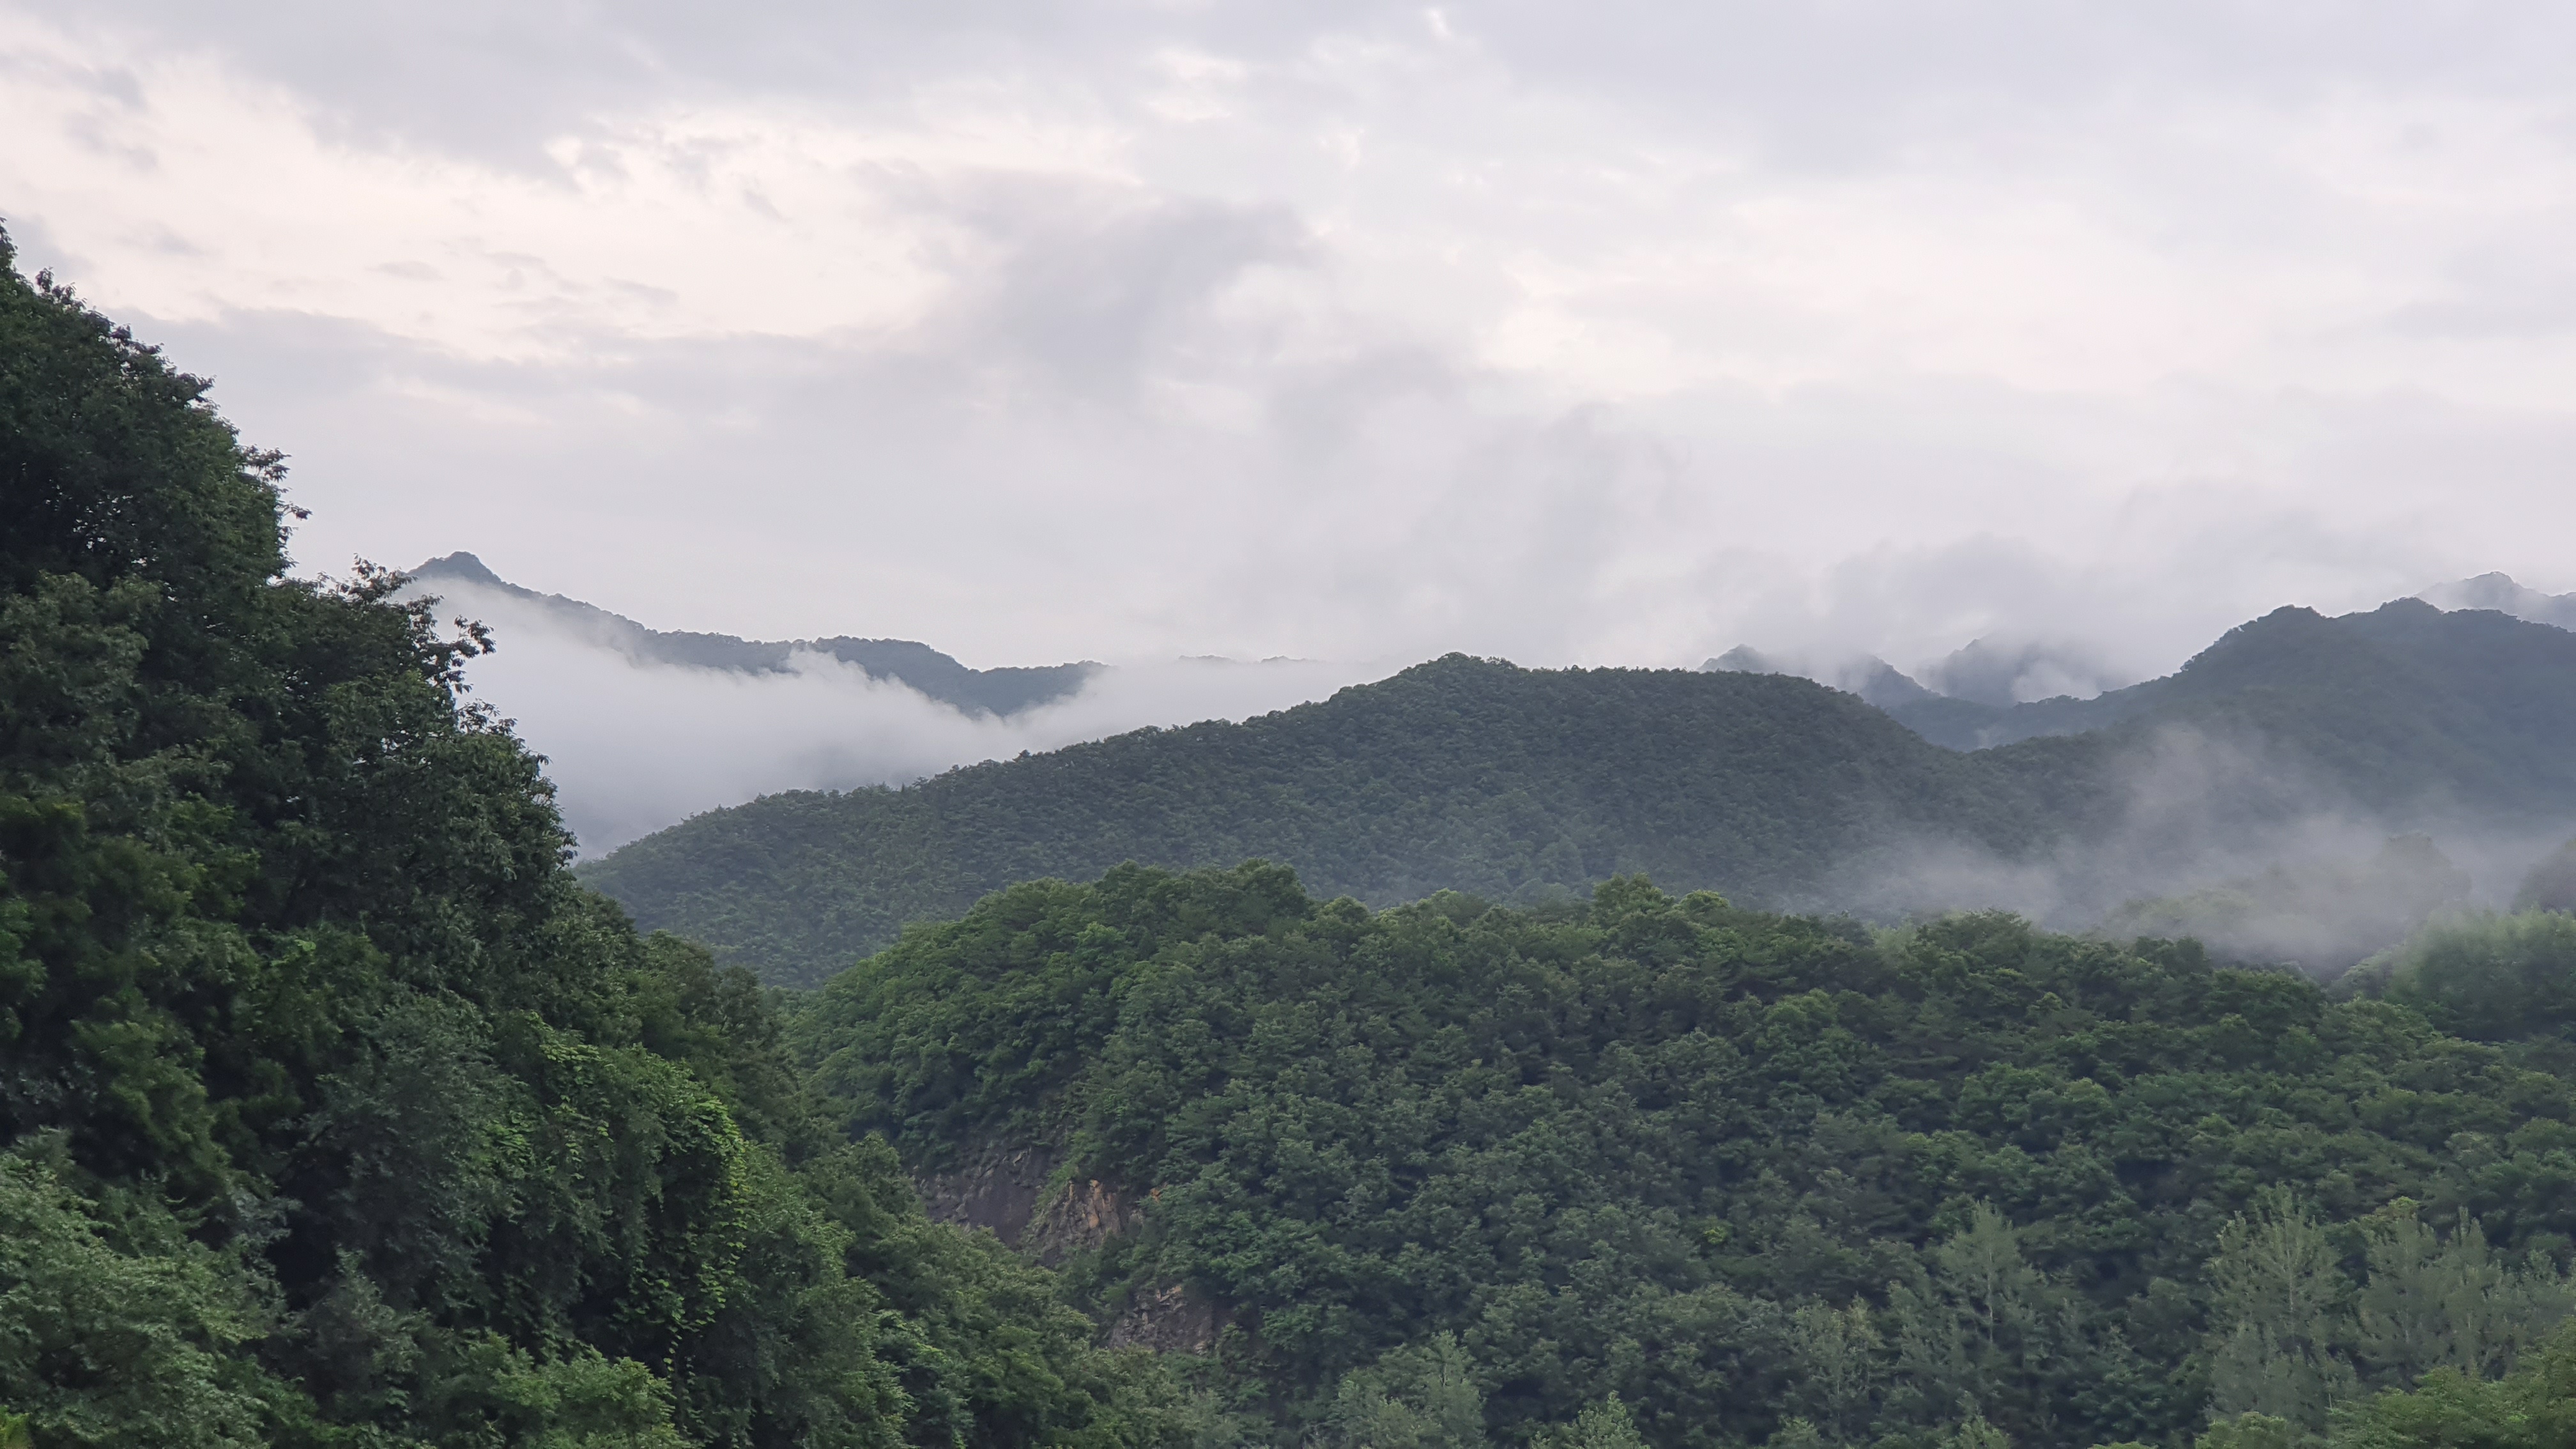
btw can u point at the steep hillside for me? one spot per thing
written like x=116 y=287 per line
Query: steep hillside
x=1459 y=774
x=333 y=1113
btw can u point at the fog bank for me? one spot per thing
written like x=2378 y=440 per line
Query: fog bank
x=2226 y=839
x=635 y=746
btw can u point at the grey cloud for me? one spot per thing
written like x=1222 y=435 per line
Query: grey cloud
x=2498 y=293
x=1817 y=83
x=1098 y=285
x=1088 y=448
x=792 y=488
x=2003 y=670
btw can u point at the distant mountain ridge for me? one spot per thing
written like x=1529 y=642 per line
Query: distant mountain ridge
x=1483 y=777
x=1001 y=692
x=1992 y=671
x=1981 y=714
x=2502 y=594
x=2295 y=660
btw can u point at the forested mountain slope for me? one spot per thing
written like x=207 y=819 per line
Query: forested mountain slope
x=1475 y=775
x=333 y=1113
x=1461 y=774
x=1460 y=1171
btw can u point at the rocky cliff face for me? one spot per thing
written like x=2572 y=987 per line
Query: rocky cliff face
x=1006 y=1190
x=996 y=1188
x=1080 y=1216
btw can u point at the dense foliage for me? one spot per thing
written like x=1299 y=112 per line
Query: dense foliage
x=1759 y=1175
x=1523 y=785
x=332 y=1110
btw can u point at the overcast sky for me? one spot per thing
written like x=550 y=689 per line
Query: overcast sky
x=1610 y=333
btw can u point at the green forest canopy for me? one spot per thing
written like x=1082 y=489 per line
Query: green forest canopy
x=1760 y=1176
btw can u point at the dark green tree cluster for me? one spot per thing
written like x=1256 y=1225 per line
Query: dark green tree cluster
x=2533 y=1407
x=2492 y=977
x=1450 y=1171
x=333 y=1112
x=2294 y=1341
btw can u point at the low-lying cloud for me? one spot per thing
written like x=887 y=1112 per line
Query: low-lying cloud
x=2228 y=839
x=635 y=746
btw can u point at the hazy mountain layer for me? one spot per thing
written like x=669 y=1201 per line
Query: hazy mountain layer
x=1988 y=693
x=1002 y=692
x=2406 y=681
x=1986 y=673
x=1458 y=774
x=1513 y=783
x=2503 y=594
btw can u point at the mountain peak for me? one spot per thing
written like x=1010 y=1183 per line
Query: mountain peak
x=2503 y=594
x=463 y=566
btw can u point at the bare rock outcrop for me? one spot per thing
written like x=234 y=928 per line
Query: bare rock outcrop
x=1083 y=1215
x=1005 y=1190
x=1169 y=1319
x=993 y=1187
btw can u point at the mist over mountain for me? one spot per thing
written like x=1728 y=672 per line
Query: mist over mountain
x=1457 y=774
x=643 y=728
x=1872 y=678
x=2296 y=671
x=1004 y=691
x=1990 y=693
x=1991 y=670
x=2296 y=738
x=2501 y=593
